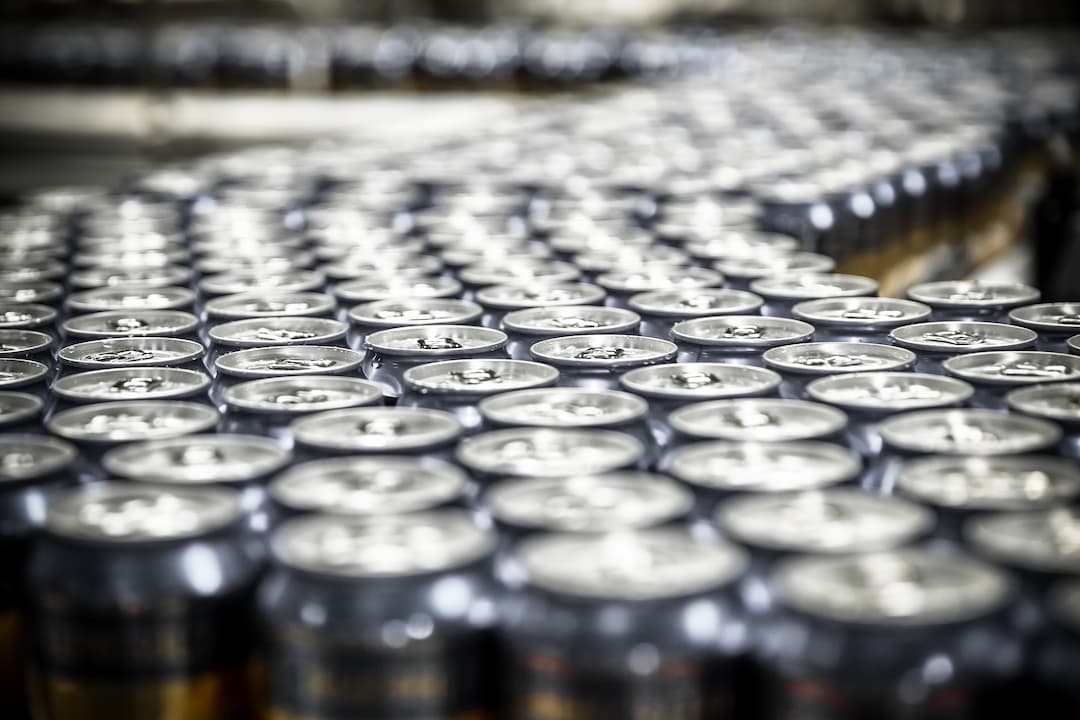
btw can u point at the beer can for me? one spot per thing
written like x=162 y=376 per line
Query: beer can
x=129 y=383
x=20 y=412
x=269 y=304
x=409 y=312
x=391 y=352
x=733 y=243
x=535 y=272
x=370 y=289
x=281 y=361
x=134 y=323
x=867 y=320
x=130 y=298
x=736 y=339
x=660 y=310
x=799 y=364
x=376 y=430
x=130 y=352
x=30 y=293
x=740 y=271
x=26 y=345
x=498 y=300
x=621 y=285
x=33 y=270
x=234 y=282
x=528 y=326
x=547 y=452
x=968 y=301
x=596 y=361
x=30 y=316
x=271 y=332
x=1059 y=403
x=1054 y=322
x=994 y=374
x=656 y=662
x=122 y=621
x=272 y=264
x=119 y=276
x=936 y=342
x=782 y=292
x=424 y=649
x=28 y=376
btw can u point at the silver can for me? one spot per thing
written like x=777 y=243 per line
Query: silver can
x=660 y=310
x=377 y=430
x=136 y=323
x=1054 y=322
x=30 y=293
x=1059 y=403
x=596 y=361
x=737 y=339
x=128 y=352
x=736 y=243
x=269 y=304
x=740 y=272
x=782 y=292
x=270 y=332
x=867 y=320
x=99 y=277
x=26 y=344
x=131 y=299
x=994 y=374
x=547 y=452
x=967 y=301
x=936 y=342
x=253 y=281
x=364 y=290
x=498 y=300
x=31 y=316
x=281 y=361
x=130 y=383
x=409 y=312
x=757 y=420
x=528 y=326
x=623 y=285
x=29 y=376
x=801 y=363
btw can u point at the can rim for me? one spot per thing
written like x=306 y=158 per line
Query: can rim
x=1015 y=337
x=68 y=387
x=74 y=354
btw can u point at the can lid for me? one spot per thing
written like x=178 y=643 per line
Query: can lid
x=833 y=520
x=968 y=294
x=436 y=341
x=658 y=277
x=1023 y=482
x=603 y=351
x=695 y=302
x=700 y=381
x=133 y=257
x=197 y=459
x=131 y=420
x=632 y=565
x=539 y=272
x=831 y=358
x=385 y=288
x=114 y=512
x=548 y=452
x=737 y=243
x=1060 y=317
x=764 y=467
x=812 y=286
x=19 y=342
x=29 y=292
x=895 y=588
x=130 y=298
x=241 y=281
x=28 y=315
x=864 y=314
x=540 y=295
x=382 y=546
x=18 y=273
x=16 y=373
x=967 y=432
x=278 y=360
x=758 y=419
x=269 y=304
x=274 y=264
x=369 y=485
x=1039 y=541
x=302 y=394
x=415 y=311
x=375 y=429
x=151 y=277
x=275 y=331
x=742 y=331
x=558 y=321
x=889 y=391
x=379 y=262
x=131 y=383
x=1059 y=402
x=131 y=323
x=962 y=337
x=25 y=456
x=17 y=407
x=130 y=352
x=1014 y=368
x=589 y=503
x=478 y=377
x=564 y=408
x=758 y=265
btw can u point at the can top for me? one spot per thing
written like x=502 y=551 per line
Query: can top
x=265 y=332
x=131 y=383
x=113 y=512
x=280 y=360
x=375 y=429
x=303 y=394
x=603 y=351
x=130 y=352
x=563 y=408
x=895 y=588
x=588 y=503
x=968 y=294
x=656 y=277
x=130 y=420
x=131 y=323
x=954 y=338
x=967 y=432
x=16 y=373
x=1012 y=368
x=402 y=312
x=687 y=303
x=353 y=264
x=436 y=341
x=19 y=342
x=548 y=452
x=130 y=298
x=632 y=565
x=764 y=467
x=27 y=315
x=369 y=485
x=833 y=520
x=32 y=272
x=758 y=419
x=478 y=377
x=1059 y=402
x=889 y=391
x=381 y=546
x=145 y=277
x=370 y=289
x=269 y=304
x=558 y=321
x=1057 y=318
x=699 y=381
x=758 y=265
x=742 y=331
x=831 y=358
x=861 y=314
x=31 y=457
x=198 y=459
x=540 y=295
x=17 y=407
x=29 y=292
x=1022 y=482
x=737 y=243
x=1039 y=541
x=541 y=272
x=812 y=286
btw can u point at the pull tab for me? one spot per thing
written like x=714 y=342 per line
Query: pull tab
x=136 y=385
x=871 y=313
x=14 y=316
x=383 y=427
x=600 y=353
x=954 y=337
x=438 y=343
x=290 y=364
x=409 y=316
x=749 y=418
x=129 y=324
x=13 y=462
x=300 y=397
x=1068 y=320
x=1030 y=369
x=198 y=455
x=699 y=302
x=694 y=380
x=828 y=361
x=575 y=323
x=124 y=356
x=743 y=332
x=278 y=334
x=475 y=377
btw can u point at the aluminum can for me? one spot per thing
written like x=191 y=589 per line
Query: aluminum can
x=20 y=412
x=1054 y=322
x=595 y=361
x=269 y=304
x=30 y=316
x=1059 y=403
x=994 y=374
x=281 y=361
x=376 y=430
x=547 y=452
x=270 y=332
x=26 y=345
x=498 y=300
x=135 y=323
x=28 y=376
x=408 y=312
x=801 y=363
x=936 y=342
x=391 y=352
x=130 y=352
x=868 y=320
x=528 y=326
x=31 y=293
x=130 y=383
x=736 y=339
x=966 y=301
x=740 y=271
x=234 y=282
x=660 y=310
x=364 y=290
x=133 y=298
x=621 y=285
x=782 y=292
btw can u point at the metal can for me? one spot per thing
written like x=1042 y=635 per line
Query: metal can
x=129 y=352
x=736 y=339
x=135 y=323
x=1059 y=403
x=741 y=271
x=1054 y=322
x=456 y=386
x=129 y=383
x=656 y=662
x=409 y=312
x=844 y=610
x=967 y=301
x=99 y=277
x=280 y=361
x=528 y=326
x=596 y=361
x=141 y=628
x=377 y=430
x=269 y=304
x=782 y=292
x=31 y=316
x=364 y=290
x=547 y=452
x=801 y=363
x=994 y=374
x=498 y=300
x=26 y=345
x=533 y=272
x=234 y=282
x=936 y=342
x=866 y=320
x=737 y=242
x=272 y=332
x=391 y=352
x=20 y=412
x=621 y=285
x=28 y=376
x=133 y=298
x=662 y=309
x=36 y=293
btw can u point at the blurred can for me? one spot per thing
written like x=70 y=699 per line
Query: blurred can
x=234 y=282
x=1059 y=403
x=740 y=272
x=32 y=316
x=131 y=299
x=136 y=323
x=272 y=332
x=377 y=430
x=866 y=320
x=119 y=276
x=994 y=374
x=391 y=352
x=801 y=363
x=662 y=309
x=547 y=452
x=30 y=293
x=27 y=376
x=20 y=412
x=281 y=361
x=365 y=290
x=782 y=292
x=499 y=300
x=528 y=326
x=736 y=339
x=1054 y=322
x=936 y=342
x=130 y=383
x=595 y=361
x=965 y=301
x=130 y=352
x=621 y=285
x=26 y=345
x=409 y=312
x=269 y=304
